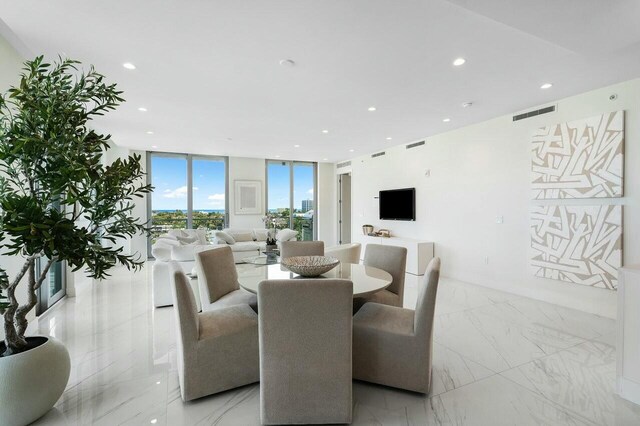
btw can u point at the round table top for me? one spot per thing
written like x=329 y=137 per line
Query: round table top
x=366 y=279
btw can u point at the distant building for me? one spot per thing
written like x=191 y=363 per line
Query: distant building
x=307 y=205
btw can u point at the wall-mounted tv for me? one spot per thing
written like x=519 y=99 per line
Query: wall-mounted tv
x=398 y=204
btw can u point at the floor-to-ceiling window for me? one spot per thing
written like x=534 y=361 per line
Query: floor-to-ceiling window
x=291 y=195
x=190 y=192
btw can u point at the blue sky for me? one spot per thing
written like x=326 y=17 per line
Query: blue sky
x=169 y=177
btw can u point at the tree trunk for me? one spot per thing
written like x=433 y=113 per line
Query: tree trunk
x=32 y=298
x=15 y=341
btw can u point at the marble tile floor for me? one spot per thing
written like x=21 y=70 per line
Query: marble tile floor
x=499 y=359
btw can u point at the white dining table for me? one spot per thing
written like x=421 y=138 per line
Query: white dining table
x=366 y=279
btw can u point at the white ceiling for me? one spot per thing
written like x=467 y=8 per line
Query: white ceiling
x=208 y=71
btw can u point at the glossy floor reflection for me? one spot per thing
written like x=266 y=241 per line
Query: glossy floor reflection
x=499 y=359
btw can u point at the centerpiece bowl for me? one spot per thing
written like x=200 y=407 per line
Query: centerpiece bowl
x=310 y=266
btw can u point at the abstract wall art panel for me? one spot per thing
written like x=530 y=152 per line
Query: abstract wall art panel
x=579 y=244
x=579 y=159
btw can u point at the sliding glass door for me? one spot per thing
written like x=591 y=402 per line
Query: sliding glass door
x=190 y=192
x=291 y=192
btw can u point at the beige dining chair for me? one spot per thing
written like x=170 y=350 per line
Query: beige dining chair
x=393 y=346
x=392 y=259
x=345 y=253
x=218 y=281
x=305 y=351
x=217 y=350
x=301 y=248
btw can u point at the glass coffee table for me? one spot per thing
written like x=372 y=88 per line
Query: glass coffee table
x=268 y=257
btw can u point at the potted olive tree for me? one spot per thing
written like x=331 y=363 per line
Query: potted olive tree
x=59 y=202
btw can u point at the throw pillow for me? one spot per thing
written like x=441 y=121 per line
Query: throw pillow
x=286 y=234
x=187 y=240
x=261 y=234
x=223 y=236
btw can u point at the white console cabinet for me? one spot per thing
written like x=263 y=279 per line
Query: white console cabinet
x=628 y=336
x=419 y=252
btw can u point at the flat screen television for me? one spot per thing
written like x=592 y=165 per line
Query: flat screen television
x=398 y=204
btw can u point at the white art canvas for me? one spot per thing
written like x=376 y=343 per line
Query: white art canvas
x=579 y=159
x=579 y=244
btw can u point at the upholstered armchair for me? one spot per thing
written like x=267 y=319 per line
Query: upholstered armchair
x=392 y=259
x=218 y=280
x=393 y=346
x=305 y=351
x=217 y=350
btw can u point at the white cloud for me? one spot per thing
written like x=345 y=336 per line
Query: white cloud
x=178 y=192
x=310 y=192
x=216 y=199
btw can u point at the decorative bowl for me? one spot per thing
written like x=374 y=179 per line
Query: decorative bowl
x=310 y=266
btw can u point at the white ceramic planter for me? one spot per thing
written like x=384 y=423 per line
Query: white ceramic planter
x=31 y=382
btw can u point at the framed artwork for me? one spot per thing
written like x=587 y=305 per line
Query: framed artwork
x=248 y=197
x=579 y=159
x=578 y=244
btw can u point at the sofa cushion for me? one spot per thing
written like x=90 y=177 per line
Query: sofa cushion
x=240 y=235
x=168 y=236
x=167 y=242
x=161 y=252
x=183 y=253
x=286 y=234
x=223 y=236
x=261 y=234
x=245 y=246
x=188 y=240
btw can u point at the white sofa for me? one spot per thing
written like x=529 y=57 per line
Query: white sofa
x=178 y=245
x=245 y=243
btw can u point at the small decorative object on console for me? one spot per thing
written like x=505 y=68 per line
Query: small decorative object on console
x=367 y=229
x=384 y=233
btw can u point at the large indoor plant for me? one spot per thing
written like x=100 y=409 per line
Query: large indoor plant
x=59 y=202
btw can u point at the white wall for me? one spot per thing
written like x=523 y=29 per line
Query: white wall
x=483 y=171
x=327 y=208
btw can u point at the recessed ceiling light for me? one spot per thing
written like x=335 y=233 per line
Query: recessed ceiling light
x=142 y=109
x=296 y=146
x=149 y=132
x=154 y=146
x=546 y=86
x=154 y=421
x=389 y=138
x=157 y=383
x=467 y=104
x=129 y=66
x=325 y=131
x=351 y=150
x=287 y=63
x=277 y=156
x=459 y=61
x=371 y=108
x=446 y=120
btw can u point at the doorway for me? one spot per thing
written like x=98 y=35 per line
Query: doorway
x=344 y=208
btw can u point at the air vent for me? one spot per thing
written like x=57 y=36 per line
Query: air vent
x=534 y=113
x=345 y=164
x=377 y=154
x=415 y=144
